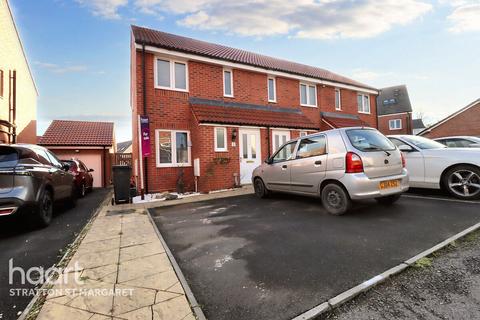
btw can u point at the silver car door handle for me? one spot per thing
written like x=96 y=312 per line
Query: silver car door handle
x=284 y=166
x=318 y=162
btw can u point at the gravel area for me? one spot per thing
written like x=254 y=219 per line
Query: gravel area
x=443 y=286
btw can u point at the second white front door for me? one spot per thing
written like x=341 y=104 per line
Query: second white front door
x=279 y=138
x=250 y=153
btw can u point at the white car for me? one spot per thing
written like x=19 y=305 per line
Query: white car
x=460 y=142
x=431 y=165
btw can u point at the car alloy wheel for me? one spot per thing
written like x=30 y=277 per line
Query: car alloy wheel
x=464 y=183
x=259 y=188
x=46 y=208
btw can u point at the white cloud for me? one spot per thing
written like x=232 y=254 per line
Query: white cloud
x=465 y=17
x=59 y=69
x=107 y=9
x=318 y=19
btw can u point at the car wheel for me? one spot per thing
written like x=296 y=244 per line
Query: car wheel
x=83 y=190
x=72 y=200
x=44 y=212
x=260 y=189
x=463 y=182
x=335 y=199
x=388 y=200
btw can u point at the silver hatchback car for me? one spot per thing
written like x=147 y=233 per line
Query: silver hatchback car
x=339 y=165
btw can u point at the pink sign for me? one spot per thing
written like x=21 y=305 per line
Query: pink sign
x=145 y=132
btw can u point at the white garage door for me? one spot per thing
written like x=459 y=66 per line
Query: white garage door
x=92 y=161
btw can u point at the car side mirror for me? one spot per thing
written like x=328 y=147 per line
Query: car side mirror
x=66 y=167
x=268 y=161
x=90 y=170
x=405 y=148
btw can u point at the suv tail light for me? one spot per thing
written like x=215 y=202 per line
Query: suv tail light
x=404 y=162
x=354 y=163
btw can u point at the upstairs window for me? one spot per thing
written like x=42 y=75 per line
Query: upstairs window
x=308 y=95
x=272 y=94
x=338 y=100
x=170 y=75
x=395 y=124
x=227 y=83
x=363 y=101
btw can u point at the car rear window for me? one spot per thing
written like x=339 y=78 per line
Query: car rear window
x=369 y=140
x=8 y=157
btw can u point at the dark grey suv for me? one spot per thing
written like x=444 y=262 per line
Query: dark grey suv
x=32 y=179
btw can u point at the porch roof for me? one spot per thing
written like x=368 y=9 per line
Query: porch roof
x=343 y=120
x=221 y=112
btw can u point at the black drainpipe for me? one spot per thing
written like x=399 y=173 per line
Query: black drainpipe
x=144 y=74
x=268 y=142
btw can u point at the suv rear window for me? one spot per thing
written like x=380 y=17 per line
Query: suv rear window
x=8 y=157
x=369 y=140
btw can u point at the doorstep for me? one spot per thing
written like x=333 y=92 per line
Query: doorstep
x=120 y=270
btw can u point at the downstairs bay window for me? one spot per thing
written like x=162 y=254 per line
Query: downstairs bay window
x=173 y=148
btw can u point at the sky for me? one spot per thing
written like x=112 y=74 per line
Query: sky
x=80 y=56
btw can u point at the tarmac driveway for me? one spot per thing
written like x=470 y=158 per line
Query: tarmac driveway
x=246 y=258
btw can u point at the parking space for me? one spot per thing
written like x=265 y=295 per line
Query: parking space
x=246 y=258
x=38 y=248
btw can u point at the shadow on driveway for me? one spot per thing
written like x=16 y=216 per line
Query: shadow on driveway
x=246 y=258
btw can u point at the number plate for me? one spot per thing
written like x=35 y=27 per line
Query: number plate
x=388 y=184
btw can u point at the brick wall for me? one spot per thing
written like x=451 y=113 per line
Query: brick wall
x=168 y=109
x=383 y=124
x=466 y=123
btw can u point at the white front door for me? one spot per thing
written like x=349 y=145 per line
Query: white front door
x=279 y=138
x=250 y=153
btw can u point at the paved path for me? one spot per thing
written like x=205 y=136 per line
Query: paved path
x=124 y=274
x=38 y=248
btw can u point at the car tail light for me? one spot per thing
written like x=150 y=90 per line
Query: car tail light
x=354 y=163
x=7 y=211
x=404 y=162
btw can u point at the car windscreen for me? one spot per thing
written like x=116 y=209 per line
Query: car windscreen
x=369 y=140
x=423 y=143
x=8 y=157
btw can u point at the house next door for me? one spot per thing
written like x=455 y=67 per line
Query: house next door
x=250 y=153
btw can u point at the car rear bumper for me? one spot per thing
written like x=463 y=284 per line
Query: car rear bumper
x=15 y=206
x=359 y=186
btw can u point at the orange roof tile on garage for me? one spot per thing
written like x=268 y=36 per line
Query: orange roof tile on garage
x=78 y=133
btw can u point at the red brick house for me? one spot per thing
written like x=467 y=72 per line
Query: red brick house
x=89 y=141
x=217 y=112
x=464 y=122
x=394 y=111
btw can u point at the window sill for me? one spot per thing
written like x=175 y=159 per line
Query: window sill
x=221 y=150
x=308 y=105
x=364 y=112
x=171 y=89
x=227 y=96
x=169 y=165
x=272 y=101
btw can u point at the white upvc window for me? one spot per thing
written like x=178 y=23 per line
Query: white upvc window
x=227 y=82
x=395 y=124
x=338 y=99
x=220 y=139
x=308 y=95
x=173 y=148
x=170 y=74
x=303 y=133
x=363 y=101
x=272 y=90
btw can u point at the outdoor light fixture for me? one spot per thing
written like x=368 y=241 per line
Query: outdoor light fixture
x=234 y=135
